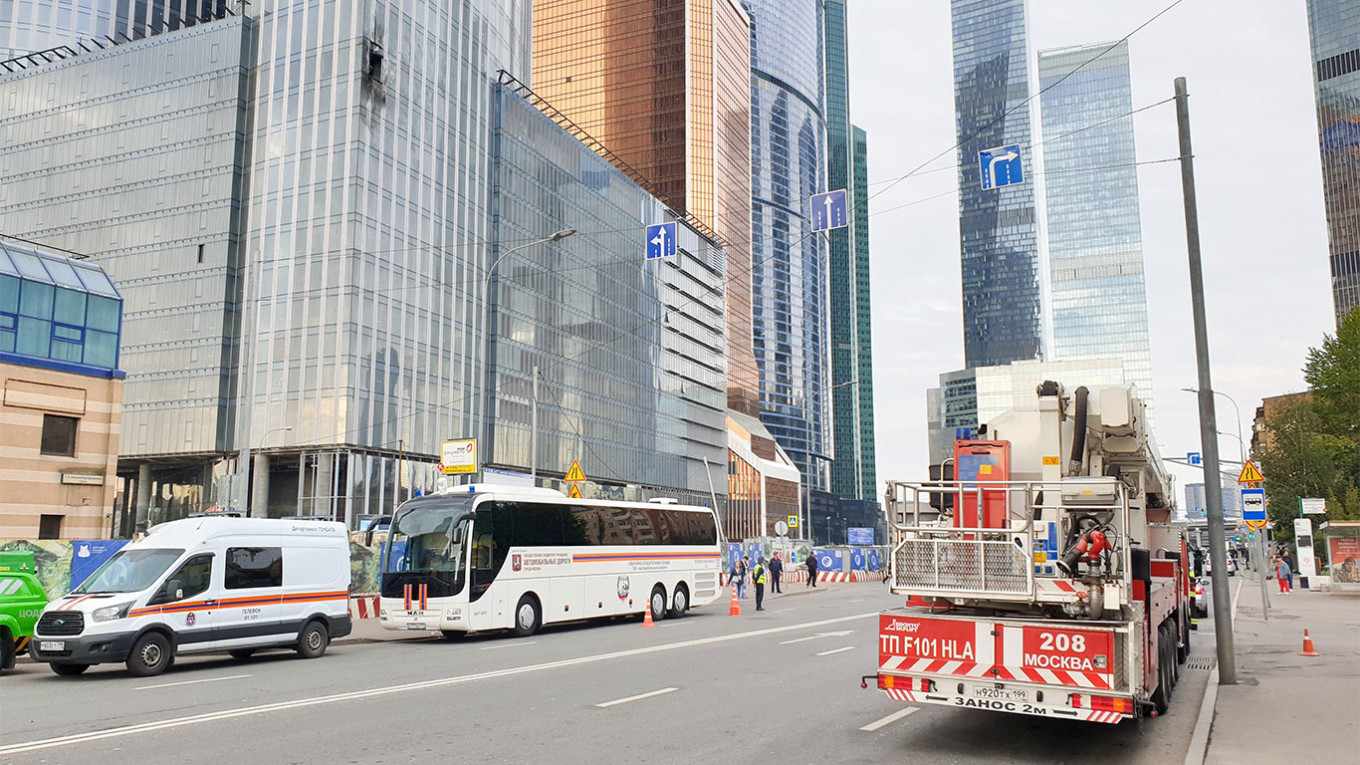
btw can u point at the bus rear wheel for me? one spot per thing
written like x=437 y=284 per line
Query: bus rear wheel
x=680 y=602
x=658 y=602
x=528 y=617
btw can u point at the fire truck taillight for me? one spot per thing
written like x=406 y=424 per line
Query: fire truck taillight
x=894 y=682
x=1102 y=703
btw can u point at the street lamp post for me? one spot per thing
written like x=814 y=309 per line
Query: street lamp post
x=1241 y=445
x=807 y=488
x=490 y=317
x=260 y=469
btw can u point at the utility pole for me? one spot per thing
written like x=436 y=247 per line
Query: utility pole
x=1208 y=427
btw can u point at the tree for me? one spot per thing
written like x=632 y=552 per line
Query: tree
x=1333 y=374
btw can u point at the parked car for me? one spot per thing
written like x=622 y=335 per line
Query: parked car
x=200 y=585
x=22 y=598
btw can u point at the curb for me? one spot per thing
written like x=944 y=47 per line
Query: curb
x=1199 y=740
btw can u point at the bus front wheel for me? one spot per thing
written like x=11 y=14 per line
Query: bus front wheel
x=528 y=618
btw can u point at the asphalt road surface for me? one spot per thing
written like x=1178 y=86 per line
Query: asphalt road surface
x=777 y=686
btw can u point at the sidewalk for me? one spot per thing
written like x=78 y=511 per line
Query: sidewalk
x=1286 y=707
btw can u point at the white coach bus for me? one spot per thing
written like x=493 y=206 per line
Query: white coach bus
x=487 y=557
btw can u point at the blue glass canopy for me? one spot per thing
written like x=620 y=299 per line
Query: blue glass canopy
x=57 y=312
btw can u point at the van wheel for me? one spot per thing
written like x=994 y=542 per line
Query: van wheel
x=313 y=640
x=67 y=669
x=150 y=655
x=241 y=654
x=679 y=603
x=528 y=618
x=6 y=650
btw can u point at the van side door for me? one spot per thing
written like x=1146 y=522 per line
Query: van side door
x=186 y=603
x=252 y=589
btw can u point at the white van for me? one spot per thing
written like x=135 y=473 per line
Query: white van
x=204 y=584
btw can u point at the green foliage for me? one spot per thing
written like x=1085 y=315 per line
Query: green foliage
x=1316 y=439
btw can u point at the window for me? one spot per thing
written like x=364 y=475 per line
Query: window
x=190 y=579
x=200 y=253
x=59 y=437
x=254 y=567
x=49 y=526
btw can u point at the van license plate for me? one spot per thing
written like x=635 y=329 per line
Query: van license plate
x=1018 y=694
x=52 y=645
x=415 y=625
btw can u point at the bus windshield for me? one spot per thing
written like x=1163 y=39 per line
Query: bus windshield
x=129 y=571
x=429 y=538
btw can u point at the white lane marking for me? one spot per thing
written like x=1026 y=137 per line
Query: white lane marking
x=191 y=682
x=855 y=600
x=890 y=719
x=513 y=644
x=228 y=714
x=841 y=633
x=836 y=650
x=638 y=697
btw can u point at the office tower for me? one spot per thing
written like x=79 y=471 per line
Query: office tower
x=31 y=26
x=852 y=471
x=663 y=86
x=313 y=285
x=1334 y=28
x=1097 y=295
x=1002 y=313
x=788 y=166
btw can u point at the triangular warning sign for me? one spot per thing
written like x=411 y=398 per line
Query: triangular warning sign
x=575 y=473
x=1249 y=474
x=575 y=492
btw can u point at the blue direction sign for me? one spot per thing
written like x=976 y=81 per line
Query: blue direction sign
x=1000 y=167
x=829 y=211
x=660 y=240
x=1253 y=504
x=1193 y=458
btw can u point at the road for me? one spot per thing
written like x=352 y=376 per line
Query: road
x=780 y=685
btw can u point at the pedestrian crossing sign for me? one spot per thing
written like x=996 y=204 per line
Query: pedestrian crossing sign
x=575 y=473
x=793 y=521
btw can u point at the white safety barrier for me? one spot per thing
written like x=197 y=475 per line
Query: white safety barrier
x=363 y=606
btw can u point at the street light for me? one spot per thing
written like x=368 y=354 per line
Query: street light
x=807 y=488
x=486 y=298
x=1241 y=445
x=256 y=467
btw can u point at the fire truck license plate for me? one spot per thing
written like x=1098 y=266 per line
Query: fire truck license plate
x=1006 y=694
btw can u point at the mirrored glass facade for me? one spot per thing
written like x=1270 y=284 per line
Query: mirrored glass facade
x=28 y=26
x=630 y=352
x=1002 y=313
x=1334 y=27
x=790 y=272
x=1097 y=293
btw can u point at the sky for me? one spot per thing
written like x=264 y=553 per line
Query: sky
x=1259 y=191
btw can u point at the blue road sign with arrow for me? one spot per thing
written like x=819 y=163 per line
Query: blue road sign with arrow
x=1193 y=458
x=829 y=211
x=661 y=240
x=1000 y=167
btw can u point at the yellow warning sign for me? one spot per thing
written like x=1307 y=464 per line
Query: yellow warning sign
x=575 y=473
x=575 y=492
x=1249 y=474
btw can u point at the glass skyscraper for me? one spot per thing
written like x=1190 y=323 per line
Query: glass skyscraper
x=790 y=270
x=29 y=26
x=1002 y=312
x=301 y=214
x=1097 y=294
x=852 y=471
x=1334 y=27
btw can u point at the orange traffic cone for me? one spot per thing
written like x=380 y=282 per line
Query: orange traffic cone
x=1308 y=646
x=735 y=608
x=647 y=609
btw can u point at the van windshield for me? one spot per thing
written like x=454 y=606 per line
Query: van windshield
x=129 y=571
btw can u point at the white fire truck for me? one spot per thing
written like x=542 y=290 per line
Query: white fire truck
x=1054 y=583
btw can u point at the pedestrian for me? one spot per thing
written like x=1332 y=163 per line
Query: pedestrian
x=745 y=570
x=1289 y=561
x=776 y=571
x=758 y=579
x=812 y=568
x=1285 y=575
x=737 y=577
